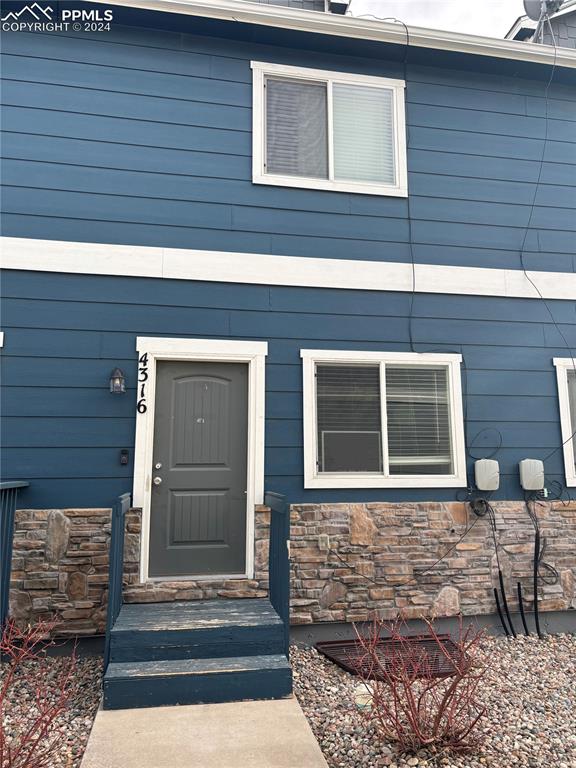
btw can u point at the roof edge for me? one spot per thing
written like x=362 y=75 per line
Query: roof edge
x=528 y=23
x=357 y=28
x=522 y=22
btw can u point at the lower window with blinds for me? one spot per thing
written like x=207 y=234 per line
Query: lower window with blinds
x=376 y=420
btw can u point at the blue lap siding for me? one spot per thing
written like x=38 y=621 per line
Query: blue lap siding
x=142 y=136
x=63 y=430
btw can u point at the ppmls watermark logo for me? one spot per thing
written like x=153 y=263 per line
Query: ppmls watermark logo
x=41 y=17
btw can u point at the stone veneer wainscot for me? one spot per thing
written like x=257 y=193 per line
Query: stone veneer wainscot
x=390 y=548
x=60 y=569
x=60 y=563
x=190 y=589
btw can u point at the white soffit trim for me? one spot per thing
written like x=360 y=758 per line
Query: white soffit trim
x=355 y=27
x=267 y=269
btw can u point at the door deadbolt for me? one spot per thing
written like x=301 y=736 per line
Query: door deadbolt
x=157 y=480
x=158 y=466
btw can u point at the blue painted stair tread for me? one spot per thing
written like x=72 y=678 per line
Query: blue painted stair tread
x=210 y=651
x=201 y=629
x=196 y=681
x=198 y=614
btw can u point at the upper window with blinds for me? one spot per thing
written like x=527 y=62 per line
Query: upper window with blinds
x=566 y=374
x=328 y=130
x=376 y=420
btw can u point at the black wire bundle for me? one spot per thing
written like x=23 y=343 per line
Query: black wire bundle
x=482 y=508
x=543 y=573
x=547 y=574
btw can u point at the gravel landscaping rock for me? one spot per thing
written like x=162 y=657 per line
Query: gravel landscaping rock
x=72 y=726
x=530 y=693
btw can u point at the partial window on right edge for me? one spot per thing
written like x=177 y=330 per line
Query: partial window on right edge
x=566 y=373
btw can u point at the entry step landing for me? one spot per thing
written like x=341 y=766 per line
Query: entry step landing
x=196 y=652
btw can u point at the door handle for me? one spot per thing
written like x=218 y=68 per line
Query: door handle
x=157 y=480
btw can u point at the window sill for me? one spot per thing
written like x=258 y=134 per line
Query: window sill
x=377 y=481
x=359 y=188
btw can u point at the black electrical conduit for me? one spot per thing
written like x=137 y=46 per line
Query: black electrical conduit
x=535 y=576
x=504 y=626
x=537 y=558
x=505 y=601
x=482 y=508
x=521 y=606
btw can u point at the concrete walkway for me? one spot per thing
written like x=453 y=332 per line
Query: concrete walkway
x=248 y=734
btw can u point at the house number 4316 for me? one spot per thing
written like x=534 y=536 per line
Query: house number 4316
x=142 y=379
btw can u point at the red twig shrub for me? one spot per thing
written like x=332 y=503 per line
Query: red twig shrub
x=29 y=735
x=411 y=705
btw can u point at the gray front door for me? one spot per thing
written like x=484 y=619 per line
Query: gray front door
x=198 y=507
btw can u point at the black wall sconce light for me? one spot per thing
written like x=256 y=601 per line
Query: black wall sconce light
x=117 y=382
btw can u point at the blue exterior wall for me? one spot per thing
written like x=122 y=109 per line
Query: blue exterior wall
x=63 y=430
x=143 y=136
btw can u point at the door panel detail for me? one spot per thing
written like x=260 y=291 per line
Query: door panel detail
x=202 y=433
x=197 y=517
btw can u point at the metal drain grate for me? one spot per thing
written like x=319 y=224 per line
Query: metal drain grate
x=420 y=650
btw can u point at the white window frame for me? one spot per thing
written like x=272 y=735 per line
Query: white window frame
x=563 y=366
x=315 y=479
x=259 y=176
x=201 y=350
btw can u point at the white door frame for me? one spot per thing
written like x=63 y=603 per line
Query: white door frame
x=198 y=350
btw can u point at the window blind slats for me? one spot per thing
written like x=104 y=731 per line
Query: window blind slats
x=363 y=134
x=418 y=417
x=296 y=128
x=363 y=131
x=348 y=418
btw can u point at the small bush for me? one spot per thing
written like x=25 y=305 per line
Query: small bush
x=29 y=739
x=410 y=705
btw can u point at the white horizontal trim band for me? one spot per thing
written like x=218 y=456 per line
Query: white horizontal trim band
x=268 y=269
x=355 y=27
x=216 y=349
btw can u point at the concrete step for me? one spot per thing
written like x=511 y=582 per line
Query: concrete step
x=200 y=629
x=196 y=681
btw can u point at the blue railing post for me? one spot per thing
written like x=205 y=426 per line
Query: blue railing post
x=8 y=499
x=279 y=559
x=116 y=567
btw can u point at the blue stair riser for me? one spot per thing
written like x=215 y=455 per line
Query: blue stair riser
x=158 y=691
x=151 y=645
